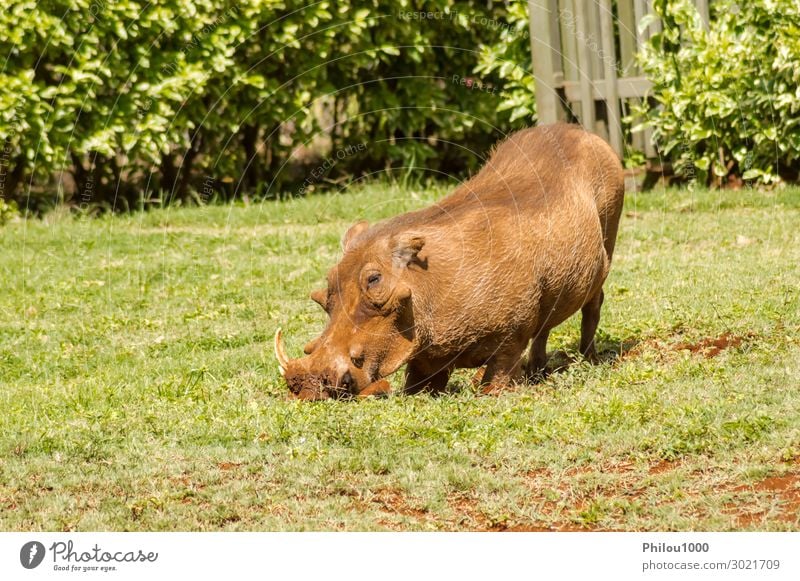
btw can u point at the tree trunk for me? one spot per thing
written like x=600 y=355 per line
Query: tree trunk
x=169 y=175
x=187 y=165
x=79 y=173
x=251 y=176
x=13 y=179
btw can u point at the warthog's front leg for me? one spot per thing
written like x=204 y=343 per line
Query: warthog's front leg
x=421 y=376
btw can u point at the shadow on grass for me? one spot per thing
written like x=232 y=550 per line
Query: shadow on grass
x=609 y=350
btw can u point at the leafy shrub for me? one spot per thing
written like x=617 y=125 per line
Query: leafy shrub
x=8 y=211
x=133 y=92
x=419 y=89
x=392 y=82
x=727 y=98
x=509 y=60
x=115 y=103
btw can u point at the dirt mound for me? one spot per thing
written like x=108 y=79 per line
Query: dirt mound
x=707 y=347
x=712 y=346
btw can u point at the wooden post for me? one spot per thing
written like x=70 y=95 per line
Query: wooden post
x=628 y=65
x=592 y=16
x=584 y=66
x=557 y=47
x=540 y=16
x=627 y=38
x=639 y=10
x=594 y=42
x=702 y=8
x=569 y=43
x=610 y=65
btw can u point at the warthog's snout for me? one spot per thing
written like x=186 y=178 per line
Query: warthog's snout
x=307 y=384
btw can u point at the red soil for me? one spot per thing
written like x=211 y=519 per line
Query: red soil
x=711 y=347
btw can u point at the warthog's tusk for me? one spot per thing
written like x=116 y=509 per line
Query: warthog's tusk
x=280 y=353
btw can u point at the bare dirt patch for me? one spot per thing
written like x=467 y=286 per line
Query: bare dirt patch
x=394 y=502
x=707 y=347
x=474 y=519
x=787 y=488
x=228 y=465
x=663 y=466
x=711 y=347
x=784 y=489
x=571 y=497
x=467 y=510
x=568 y=497
x=389 y=502
x=585 y=499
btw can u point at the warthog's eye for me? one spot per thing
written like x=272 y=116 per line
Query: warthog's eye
x=373 y=279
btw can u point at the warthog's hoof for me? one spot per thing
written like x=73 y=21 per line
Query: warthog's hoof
x=377 y=388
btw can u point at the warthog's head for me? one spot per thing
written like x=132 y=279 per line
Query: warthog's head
x=370 y=330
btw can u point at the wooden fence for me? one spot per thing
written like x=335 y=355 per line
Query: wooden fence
x=586 y=72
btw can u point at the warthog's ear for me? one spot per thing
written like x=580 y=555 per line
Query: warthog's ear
x=405 y=250
x=352 y=233
x=320 y=296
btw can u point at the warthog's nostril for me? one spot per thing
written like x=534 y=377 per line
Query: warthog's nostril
x=347 y=381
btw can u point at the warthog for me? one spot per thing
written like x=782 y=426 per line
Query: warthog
x=473 y=279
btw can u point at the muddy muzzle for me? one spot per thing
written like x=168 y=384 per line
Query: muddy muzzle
x=306 y=384
x=308 y=380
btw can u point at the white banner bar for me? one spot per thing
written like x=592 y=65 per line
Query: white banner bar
x=400 y=556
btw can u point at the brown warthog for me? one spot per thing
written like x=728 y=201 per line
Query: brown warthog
x=471 y=280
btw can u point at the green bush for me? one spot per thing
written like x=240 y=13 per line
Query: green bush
x=117 y=103
x=8 y=211
x=131 y=95
x=509 y=61
x=415 y=85
x=727 y=98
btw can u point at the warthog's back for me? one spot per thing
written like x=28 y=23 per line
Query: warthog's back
x=542 y=170
x=543 y=167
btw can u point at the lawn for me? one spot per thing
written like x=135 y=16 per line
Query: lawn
x=138 y=390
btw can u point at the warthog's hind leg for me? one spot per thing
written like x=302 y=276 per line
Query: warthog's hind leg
x=537 y=356
x=590 y=318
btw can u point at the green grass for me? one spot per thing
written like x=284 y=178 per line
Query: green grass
x=138 y=389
